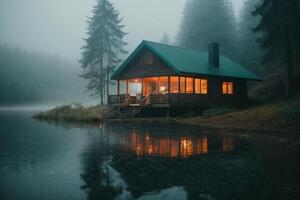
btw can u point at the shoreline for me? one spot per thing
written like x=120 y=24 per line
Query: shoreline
x=280 y=117
x=208 y=126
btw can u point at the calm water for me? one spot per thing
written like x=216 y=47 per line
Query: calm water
x=40 y=160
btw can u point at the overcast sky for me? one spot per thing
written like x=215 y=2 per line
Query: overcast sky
x=58 y=26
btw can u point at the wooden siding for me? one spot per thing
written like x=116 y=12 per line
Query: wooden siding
x=138 y=69
x=216 y=95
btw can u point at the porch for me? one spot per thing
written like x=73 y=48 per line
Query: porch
x=161 y=91
x=158 y=100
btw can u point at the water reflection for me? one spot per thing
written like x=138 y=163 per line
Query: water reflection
x=167 y=145
x=141 y=161
x=138 y=162
x=145 y=144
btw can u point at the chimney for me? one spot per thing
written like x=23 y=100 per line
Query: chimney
x=213 y=48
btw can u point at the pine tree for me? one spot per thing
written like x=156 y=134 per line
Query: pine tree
x=166 y=39
x=250 y=53
x=279 y=26
x=205 y=21
x=103 y=47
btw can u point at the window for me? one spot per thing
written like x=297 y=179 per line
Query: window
x=123 y=87
x=197 y=86
x=182 y=84
x=174 y=84
x=148 y=58
x=163 y=85
x=189 y=85
x=134 y=87
x=201 y=86
x=150 y=86
x=227 y=87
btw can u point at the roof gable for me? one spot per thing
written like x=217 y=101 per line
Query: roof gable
x=186 y=61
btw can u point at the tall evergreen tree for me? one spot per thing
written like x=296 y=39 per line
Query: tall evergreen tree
x=103 y=47
x=280 y=35
x=250 y=53
x=205 y=21
x=166 y=39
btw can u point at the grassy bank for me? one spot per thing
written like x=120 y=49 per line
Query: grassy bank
x=73 y=113
x=279 y=115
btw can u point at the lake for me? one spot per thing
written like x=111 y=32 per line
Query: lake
x=41 y=160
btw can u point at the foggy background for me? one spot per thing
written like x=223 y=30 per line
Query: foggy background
x=58 y=26
x=41 y=40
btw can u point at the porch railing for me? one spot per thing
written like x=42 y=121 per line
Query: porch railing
x=174 y=99
x=117 y=99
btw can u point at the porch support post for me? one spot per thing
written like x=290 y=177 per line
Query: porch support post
x=127 y=87
x=169 y=84
x=142 y=87
x=118 y=88
x=193 y=85
x=157 y=85
x=178 y=95
x=169 y=88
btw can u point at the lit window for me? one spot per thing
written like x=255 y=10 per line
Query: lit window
x=227 y=87
x=182 y=84
x=230 y=88
x=150 y=86
x=174 y=84
x=163 y=85
x=189 y=85
x=201 y=86
x=197 y=86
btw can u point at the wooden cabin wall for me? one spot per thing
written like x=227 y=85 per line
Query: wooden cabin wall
x=138 y=68
x=216 y=95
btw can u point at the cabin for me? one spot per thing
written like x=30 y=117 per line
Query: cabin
x=163 y=76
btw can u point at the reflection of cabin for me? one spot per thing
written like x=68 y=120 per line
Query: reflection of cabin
x=158 y=75
x=171 y=146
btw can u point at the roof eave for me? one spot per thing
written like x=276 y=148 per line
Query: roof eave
x=216 y=75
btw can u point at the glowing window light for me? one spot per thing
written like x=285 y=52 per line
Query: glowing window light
x=227 y=87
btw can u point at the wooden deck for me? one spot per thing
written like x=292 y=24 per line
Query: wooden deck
x=161 y=100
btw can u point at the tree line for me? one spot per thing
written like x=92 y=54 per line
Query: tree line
x=30 y=77
x=264 y=38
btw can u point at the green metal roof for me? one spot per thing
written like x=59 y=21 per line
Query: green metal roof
x=186 y=61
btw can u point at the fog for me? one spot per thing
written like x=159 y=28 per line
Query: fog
x=49 y=35
x=58 y=26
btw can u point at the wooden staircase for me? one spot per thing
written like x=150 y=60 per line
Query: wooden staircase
x=127 y=110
